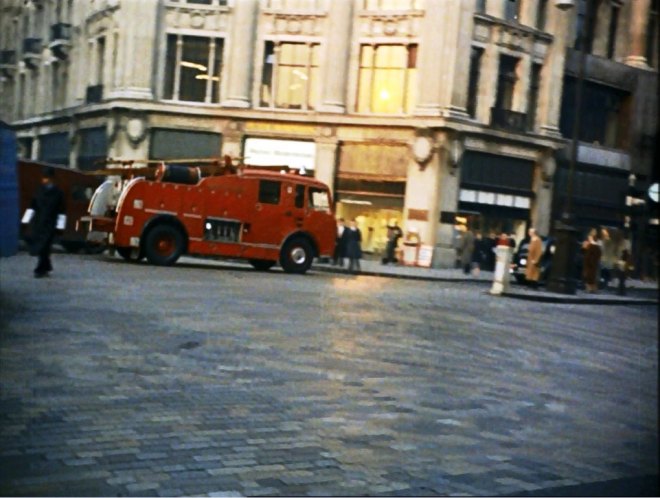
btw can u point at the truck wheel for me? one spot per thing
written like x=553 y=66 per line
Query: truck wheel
x=262 y=264
x=163 y=245
x=296 y=256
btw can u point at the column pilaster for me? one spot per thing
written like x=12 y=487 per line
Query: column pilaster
x=336 y=57
x=241 y=53
x=638 y=24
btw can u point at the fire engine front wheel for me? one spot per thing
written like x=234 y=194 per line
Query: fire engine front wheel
x=163 y=245
x=296 y=256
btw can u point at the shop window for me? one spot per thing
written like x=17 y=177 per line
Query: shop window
x=473 y=85
x=192 y=68
x=176 y=144
x=269 y=192
x=290 y=75
x=387 y=79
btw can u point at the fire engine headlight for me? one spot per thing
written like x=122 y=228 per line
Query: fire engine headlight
x=523 y=261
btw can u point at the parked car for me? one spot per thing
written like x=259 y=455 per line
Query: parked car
x=519 y=260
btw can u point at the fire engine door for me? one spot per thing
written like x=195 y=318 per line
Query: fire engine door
x=266 y=226
x=296 y=207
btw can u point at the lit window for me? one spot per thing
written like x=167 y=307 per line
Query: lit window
x=387 y=80
x=193 y=68
x=290 y=75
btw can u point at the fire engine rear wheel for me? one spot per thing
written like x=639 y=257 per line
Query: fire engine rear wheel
x=163 y=245
x=262 y=264
x=296 y=256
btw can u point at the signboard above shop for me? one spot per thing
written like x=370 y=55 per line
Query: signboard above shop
x=271 y=152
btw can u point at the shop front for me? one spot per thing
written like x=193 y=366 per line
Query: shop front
x=370 y=188
x=297 y=154
x=496 y=194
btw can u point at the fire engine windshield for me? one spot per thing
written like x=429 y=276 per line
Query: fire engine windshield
x=319 y=199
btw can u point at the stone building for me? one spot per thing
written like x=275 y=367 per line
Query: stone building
x=434 y=113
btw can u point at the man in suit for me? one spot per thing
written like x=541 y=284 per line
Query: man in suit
x=47 y=216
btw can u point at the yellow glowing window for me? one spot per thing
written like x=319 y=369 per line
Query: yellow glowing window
x=387 y=79
x=290 y=75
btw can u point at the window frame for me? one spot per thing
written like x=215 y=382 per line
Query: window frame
x=173 y=75
x=266 y=196
x=272 y=75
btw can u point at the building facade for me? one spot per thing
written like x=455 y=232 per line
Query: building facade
x=434 y=113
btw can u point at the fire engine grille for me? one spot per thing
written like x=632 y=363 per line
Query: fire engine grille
x=222 y=230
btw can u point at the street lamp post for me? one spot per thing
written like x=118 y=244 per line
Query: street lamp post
x=562 y=276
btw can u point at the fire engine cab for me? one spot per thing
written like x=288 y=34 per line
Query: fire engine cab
x=252 y=213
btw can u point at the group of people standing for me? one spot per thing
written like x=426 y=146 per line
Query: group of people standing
x=348 y=245
x=605 y=257
x=476 y=253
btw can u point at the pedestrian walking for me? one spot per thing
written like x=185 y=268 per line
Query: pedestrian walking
x=609 y=257
x=592 y=251
x=624 y=267
x=394 y=233
x=489 y=244
x=46 y=216
x=534 y=253
x=467 y=248
x=340 y=249
x=353 y=240
x=479 y=255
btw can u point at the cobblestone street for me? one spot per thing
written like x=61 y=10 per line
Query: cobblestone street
x=122 y=379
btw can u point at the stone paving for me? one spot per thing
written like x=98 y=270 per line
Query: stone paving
x=122 y=379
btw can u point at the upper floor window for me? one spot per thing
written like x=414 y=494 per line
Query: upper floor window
x=584 y=27
x=290 y=75
x=473 y=85
x=612 y=31
x=192 y=69
x=541 y=15
x=512 y=10
x=480 y=6
x=392 y=4
x=506 y=82
x=387 y=79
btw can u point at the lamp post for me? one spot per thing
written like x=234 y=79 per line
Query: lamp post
x=562 y=276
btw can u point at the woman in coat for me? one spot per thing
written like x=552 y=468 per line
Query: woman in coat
x=352 y=240
x=592 y=251
x=534 y=253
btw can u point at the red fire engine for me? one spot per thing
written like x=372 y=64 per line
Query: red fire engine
x=252 y=213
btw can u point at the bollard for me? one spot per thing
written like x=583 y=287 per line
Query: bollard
x=501 y=275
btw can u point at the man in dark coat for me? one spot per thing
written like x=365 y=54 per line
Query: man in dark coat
x=353 y=239
x=394 y=233
x=47 y=218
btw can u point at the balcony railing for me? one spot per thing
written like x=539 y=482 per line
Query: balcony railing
x=60 y=32
x=508 y=120
x=94 y=94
